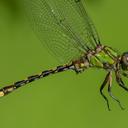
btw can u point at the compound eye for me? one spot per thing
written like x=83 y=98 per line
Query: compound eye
x=124 y=60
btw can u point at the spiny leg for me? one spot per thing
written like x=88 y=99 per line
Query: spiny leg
x=101 y=90
x=110 y=93
x=120 y=82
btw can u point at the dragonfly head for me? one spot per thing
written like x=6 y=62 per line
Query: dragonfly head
x=124 y=61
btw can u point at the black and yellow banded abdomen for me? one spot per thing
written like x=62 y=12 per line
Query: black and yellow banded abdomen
x=10 y=88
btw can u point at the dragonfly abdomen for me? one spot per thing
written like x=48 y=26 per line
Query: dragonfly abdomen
x=10 y=88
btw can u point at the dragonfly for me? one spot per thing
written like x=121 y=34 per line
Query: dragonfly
x=66 y=30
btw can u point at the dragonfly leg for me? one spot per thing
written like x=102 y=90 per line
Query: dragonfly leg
x=120 y=81
x=110 y=93
x=102 y=87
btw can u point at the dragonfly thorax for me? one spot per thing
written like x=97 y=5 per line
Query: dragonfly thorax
x=102 y=57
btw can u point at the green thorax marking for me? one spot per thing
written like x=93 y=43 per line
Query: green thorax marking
x=105 y=56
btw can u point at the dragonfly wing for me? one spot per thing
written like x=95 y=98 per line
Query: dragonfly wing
x=61 y=28
x=75 y=15
x=79 y=5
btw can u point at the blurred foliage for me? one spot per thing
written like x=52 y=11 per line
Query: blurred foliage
x=13 y=7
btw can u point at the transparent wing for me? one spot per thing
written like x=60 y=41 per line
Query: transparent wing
x=63 y=27
x=90 y=28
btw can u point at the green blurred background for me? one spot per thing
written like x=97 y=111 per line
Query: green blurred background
x=65 y=100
